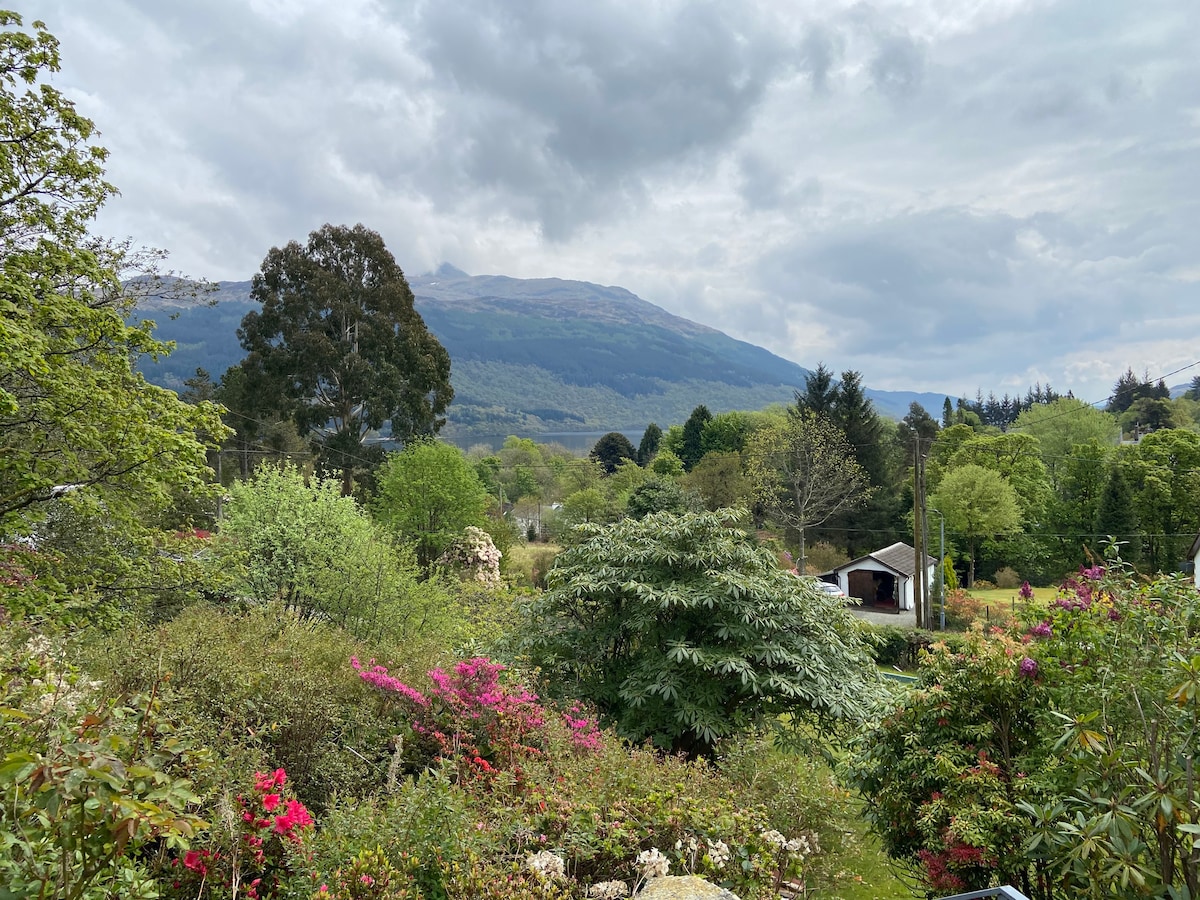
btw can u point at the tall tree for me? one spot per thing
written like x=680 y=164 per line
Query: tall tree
x=428 y=494
x=865 y=431
x=342 y=346
x=803 y=471
x=611 y=449
x=648 y=446
x=978 y=504
x=1115 y=515
x=820 y=392
x=693 y=437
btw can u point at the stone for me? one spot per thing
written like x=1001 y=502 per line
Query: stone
x=683 y=887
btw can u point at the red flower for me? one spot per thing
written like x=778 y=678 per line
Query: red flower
x=270 y=801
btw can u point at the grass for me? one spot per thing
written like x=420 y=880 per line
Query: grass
x=861 y=870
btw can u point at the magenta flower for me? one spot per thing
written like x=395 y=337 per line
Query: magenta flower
x=1028 y=668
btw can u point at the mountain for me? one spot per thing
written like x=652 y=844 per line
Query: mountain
x=543 y=355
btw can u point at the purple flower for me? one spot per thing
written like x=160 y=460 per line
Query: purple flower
x=1095 y=573
x=1042 y=629
x=1028 y=667
x=1026 y=591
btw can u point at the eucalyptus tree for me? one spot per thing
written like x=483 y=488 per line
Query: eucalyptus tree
x=342 y=346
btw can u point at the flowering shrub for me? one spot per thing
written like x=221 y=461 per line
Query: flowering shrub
x=943 y=772
x=470 y=717
x=254 y=852
x=476 y=555
x=369 y=876
x=1057 y=758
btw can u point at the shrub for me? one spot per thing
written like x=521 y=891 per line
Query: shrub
x=511 y=778
x=943 y=774
x=1007 y=578
x=306 y=546
x=90 y=786
x=962 y=610
x=252 y=846
x=890 y=645
x=683 y=630
x=823 y=556
x=270 y=690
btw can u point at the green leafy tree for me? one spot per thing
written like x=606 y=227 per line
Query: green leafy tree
x=611 y=449
x=1164 y=474
x=428 y=494
x=342 y=348
x=76 y=418
x=1062 y=425
x=719 y=480
x=726 y=433
x=666 y=464
x=648 y=446
x=682 y=630
x=802 y=470
x=978 y=504
x=661 y=495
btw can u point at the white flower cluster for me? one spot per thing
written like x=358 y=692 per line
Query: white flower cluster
x=653 y=864
x=718 y=852
x=802 y=846
x=546 y=865
x=475 y=552
x=609 y=890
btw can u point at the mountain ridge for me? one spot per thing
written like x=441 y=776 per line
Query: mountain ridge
x=542 y=355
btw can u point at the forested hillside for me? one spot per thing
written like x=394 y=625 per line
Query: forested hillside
x=541 y=355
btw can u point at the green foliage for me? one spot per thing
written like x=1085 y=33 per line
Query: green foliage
x=90 y=786
x=1061 y=762
x=648 y=446
x=666 y=464
x=268 y=690
x=682 y=630
x=944 y=772
x=803 y=471
x=978 y=503
x=428 y=495
x=718 y=478
x=78 y=423
x=692 y=446
x=612 y=449
x=316 y=552
x=341 y=346
x=661 y=495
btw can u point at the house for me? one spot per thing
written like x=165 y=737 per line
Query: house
x=1192 y=555
x=882 y=580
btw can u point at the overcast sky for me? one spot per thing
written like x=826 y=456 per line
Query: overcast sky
x=941 y=194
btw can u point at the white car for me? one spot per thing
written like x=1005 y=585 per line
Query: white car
x=826 y=587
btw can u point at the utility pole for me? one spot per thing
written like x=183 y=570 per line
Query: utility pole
x=918 y=512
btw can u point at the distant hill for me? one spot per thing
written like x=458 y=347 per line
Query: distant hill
x=542 y=355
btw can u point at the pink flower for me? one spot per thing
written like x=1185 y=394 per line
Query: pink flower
x=270 y=801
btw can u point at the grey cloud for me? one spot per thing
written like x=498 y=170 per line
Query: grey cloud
x=899 y=66
x=820 y=50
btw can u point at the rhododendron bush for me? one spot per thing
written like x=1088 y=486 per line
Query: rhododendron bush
x=1057 y=757
x=470 y=718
